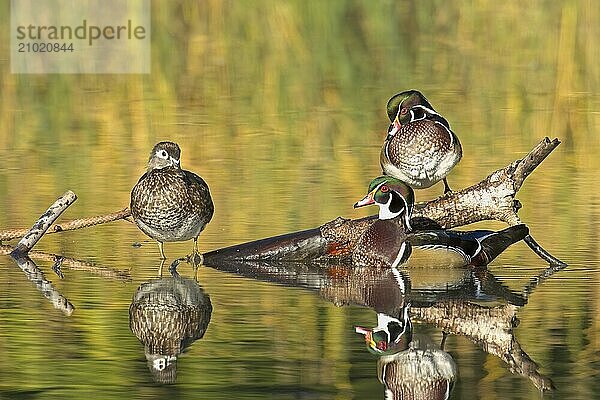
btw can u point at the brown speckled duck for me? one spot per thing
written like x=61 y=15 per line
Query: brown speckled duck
x=420 y=148
x=170 y=204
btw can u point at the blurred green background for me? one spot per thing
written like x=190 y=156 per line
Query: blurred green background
x=280 y=107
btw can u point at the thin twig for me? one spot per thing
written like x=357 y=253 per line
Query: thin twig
x=543 y=254
x=536 y=281
x=10 y=234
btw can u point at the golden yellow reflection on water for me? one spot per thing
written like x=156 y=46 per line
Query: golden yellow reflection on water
x=280 y=106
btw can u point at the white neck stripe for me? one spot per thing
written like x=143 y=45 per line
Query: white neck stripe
x=384 y=211
x=429 y=110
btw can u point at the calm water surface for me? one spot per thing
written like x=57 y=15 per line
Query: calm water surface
x=281 y=108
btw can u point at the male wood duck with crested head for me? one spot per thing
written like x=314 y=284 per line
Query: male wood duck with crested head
x=170 y=204
x=390 y=240
x=384 y=243
x=420 y=148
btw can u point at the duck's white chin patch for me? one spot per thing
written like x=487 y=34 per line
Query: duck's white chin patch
x=384 y=210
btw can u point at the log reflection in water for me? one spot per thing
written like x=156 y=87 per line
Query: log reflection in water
x=73 y=264
x=466 y=302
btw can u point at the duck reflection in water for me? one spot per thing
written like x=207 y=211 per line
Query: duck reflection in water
x=411 y=365
x=167 y=315
x=422 y=371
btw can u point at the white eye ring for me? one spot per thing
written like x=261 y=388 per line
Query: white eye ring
x=163 y=154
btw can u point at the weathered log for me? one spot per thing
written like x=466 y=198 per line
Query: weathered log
x=491 y=199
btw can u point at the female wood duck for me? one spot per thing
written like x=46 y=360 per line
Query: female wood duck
x=420 y=148
x=168 y=203
x=389 y=241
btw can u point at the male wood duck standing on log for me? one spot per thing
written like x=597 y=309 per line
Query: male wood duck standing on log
x=390 y=240
x=420 y=148
x=170 y=204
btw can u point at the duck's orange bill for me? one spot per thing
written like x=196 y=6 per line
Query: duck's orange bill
x=367 y=200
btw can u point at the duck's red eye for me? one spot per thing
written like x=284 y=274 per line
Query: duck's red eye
x=403 y=111
x=384 y=188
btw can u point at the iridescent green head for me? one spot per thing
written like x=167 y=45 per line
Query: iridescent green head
x=394 y=198
x=400 y=105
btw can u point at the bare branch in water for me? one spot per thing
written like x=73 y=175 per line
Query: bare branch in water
x=43 y=223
